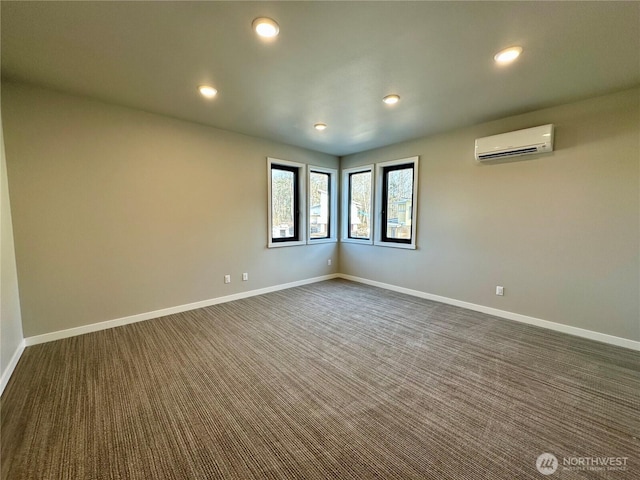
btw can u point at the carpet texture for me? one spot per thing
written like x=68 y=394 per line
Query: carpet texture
x=334 y=380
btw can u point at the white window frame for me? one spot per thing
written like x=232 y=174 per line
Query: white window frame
x=333 y=205
x=302 y=206
x=379 y=203
x=345 y=205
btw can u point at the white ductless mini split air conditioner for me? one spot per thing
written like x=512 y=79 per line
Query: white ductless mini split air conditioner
x=513 y=144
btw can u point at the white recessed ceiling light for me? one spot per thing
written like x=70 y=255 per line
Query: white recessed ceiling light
x=265 y=27
x=391 y=99
x=320 y=126
x=507 y=55
x=207 y=91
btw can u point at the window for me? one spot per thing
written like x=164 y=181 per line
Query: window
x=357 y=205
x=286 y=203
x=322 y=205
x=396 y=197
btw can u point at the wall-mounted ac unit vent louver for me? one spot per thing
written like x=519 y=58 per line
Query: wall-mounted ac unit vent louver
x=513 y=144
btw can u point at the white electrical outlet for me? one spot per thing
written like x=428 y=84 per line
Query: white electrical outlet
x=227 y=279
x=499 y=290
x=329 y=262
x=245 y=277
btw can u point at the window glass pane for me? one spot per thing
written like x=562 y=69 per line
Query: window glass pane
x=283 y=203
x=398 y=202
x=319 y=209
x=360 y=205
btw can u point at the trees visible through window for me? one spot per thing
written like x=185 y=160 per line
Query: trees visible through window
x=303 y=203
x=397 y=197
x=322 y=213
x=320 y=205
x=396 y=201
x=286 y=203
x=359 y=210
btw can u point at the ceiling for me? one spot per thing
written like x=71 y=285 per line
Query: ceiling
x=332 y=62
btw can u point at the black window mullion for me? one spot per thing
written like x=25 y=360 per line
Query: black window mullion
x=349 y=203
x=351 y=176
x=385 y=199
x=329 y=205
x=295 y=207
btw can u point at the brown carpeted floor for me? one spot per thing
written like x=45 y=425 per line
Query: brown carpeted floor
x=333 y=380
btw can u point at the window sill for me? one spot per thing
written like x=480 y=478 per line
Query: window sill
x=406 y=246
x=355 y=240
x=321 y=240
x=286 y=244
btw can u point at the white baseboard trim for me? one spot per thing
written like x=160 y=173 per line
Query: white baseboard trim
x=95 y=327
x=538 y=322
x=6 y=375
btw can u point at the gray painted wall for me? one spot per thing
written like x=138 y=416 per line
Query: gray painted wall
x=119 y=212
x=10 y=319
x=559 y=232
